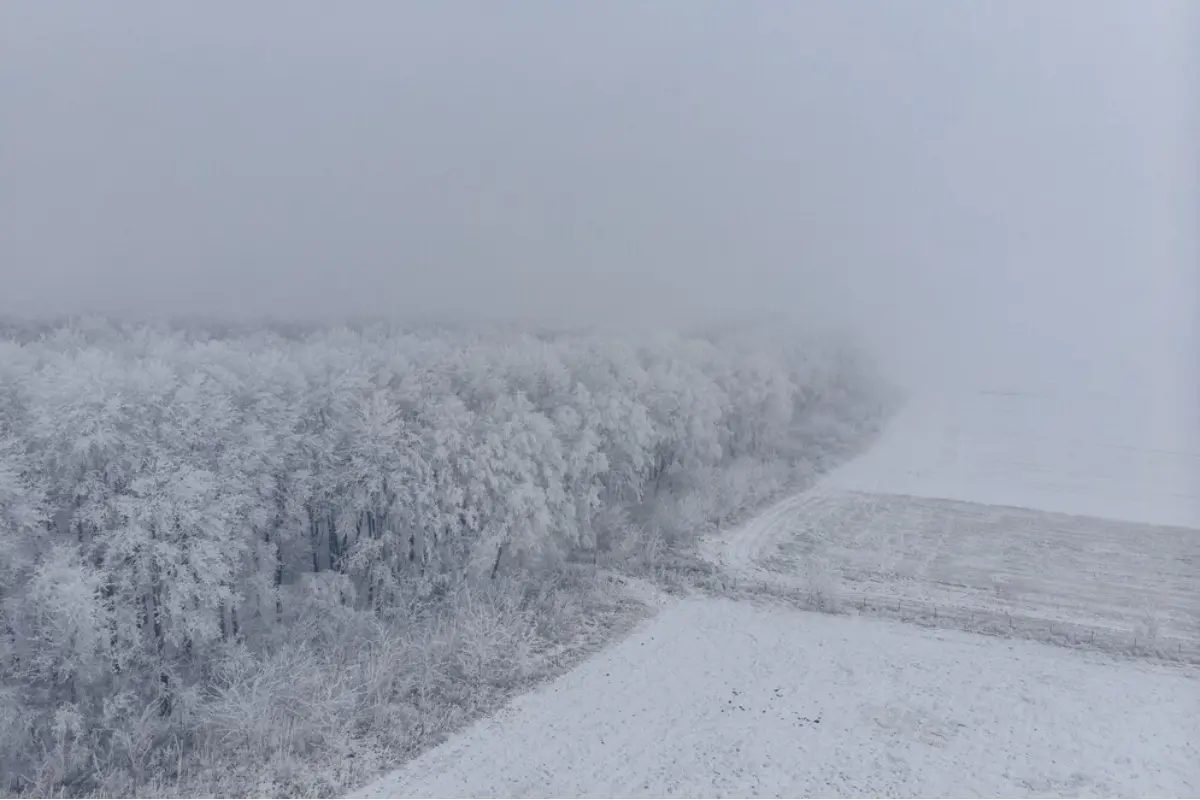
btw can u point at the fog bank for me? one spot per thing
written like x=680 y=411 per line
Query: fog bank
x=1001 y=191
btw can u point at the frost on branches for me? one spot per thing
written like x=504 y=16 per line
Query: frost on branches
x=174 y=501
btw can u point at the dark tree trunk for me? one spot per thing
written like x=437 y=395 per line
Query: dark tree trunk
x=496 y=565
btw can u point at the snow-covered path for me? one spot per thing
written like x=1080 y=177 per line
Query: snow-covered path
x=717 y=698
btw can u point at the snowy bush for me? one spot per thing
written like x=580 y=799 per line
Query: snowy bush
x=190 y=522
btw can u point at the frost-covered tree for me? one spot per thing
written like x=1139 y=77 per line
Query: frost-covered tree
x=175 y=501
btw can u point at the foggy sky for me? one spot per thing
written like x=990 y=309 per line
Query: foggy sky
x=967 y=182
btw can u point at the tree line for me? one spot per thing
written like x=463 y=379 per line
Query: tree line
x=169 y=496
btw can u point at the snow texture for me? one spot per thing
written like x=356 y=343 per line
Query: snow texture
x=1100 y=455
x=717 y=698
x=721 y=698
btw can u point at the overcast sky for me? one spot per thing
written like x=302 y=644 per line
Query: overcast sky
x=963 y=180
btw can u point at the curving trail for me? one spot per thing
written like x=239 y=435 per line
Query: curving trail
x=873 y=537
x=941 y=525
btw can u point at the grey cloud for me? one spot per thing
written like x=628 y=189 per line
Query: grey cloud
x=969 y=183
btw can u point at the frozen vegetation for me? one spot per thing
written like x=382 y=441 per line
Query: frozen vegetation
x=1085 y=684
x=277 y=561
x=561 y=543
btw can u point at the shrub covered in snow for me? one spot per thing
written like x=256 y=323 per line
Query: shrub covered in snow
x=217 y=549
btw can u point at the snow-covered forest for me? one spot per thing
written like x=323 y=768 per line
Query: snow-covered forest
x=226 y=555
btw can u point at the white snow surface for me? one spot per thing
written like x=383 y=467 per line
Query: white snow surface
x=1098 y=454
x=714 y=697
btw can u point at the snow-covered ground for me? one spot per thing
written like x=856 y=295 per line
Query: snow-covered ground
x=717 y=698
x=1012 y=552
x=1102 y=454
x=1079 y=581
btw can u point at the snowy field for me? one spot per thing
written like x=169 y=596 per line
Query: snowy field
x=1013 y=553
x=1078 y=581
x=717 y=698
x=1101 y=454
x=988 y=512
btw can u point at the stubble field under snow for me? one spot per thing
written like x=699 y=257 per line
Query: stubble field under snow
x=718 y=698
